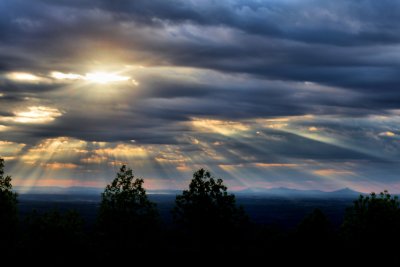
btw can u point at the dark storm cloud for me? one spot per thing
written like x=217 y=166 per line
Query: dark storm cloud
x=349 y=44
x=12 y=88
x=221 y=60
x=342 y=22
x=257 y=148
x=159 y=109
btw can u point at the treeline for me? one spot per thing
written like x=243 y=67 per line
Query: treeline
x=206 y=220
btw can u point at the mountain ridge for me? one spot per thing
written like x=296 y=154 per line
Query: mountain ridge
x=284 y=191
x=275 y=191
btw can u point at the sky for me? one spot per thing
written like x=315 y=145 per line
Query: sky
x=289 y=93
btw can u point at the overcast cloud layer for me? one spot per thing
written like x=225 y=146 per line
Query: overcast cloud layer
x=302 y=94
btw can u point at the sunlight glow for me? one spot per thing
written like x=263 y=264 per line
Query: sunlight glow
x=65 y=76
x=23 y=76
x=3 y=128
x=98 y=77
x=58 y=165
x=94 y=159
x=59 y=183
x=332 y=172
x=122 y=151
x=104 y=77
x=36 y=114
x=61 y=149
x=387 y=134
x=259 y=165
x=10 y=148
x=273 y=165
x=227 y=128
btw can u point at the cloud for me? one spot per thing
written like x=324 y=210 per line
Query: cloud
x=258 y=37
x=122 y=149
x=34 y=114
x=59 y=150
x=50 y=182
x=3 y=128
x=9 y=150
x=94 y=159
x=57 y=166
x=271 y=165
x=228 y=128
x=232 y=167
x=93 y=77
x=387 y=134
x=333 y=172
x=285 y=82
x=65 y=76
x=24 y=77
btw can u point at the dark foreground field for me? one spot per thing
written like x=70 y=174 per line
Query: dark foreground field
x=286 y=212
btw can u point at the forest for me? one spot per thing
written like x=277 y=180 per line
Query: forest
x=206 y=220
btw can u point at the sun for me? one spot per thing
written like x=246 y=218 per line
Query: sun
x=104 y=77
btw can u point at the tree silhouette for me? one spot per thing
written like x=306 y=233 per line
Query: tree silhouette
x=8 y=208
x=56 y=233
x=125 y=210
x=207 y=208
x=315 y=229
x=372 y=218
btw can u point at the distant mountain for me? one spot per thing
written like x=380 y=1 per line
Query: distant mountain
x=77 y=190
x=344 y=192
x=164 y=192
x=252 y=191
x=74 y=190
x=289 y=192
x=277 y=191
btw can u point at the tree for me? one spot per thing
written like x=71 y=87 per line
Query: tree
x=207 y=208
x=125 y=210
x=315 y=225
x=372 y=218
x=8 y=207
x=54 y=232
x=315 y=229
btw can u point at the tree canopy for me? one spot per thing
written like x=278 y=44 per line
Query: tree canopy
x=315 y=225
x=54 y=227
x=207 y=205
x=373 y=217
x=8 y=205
x=125 y=208
x=315 y=230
